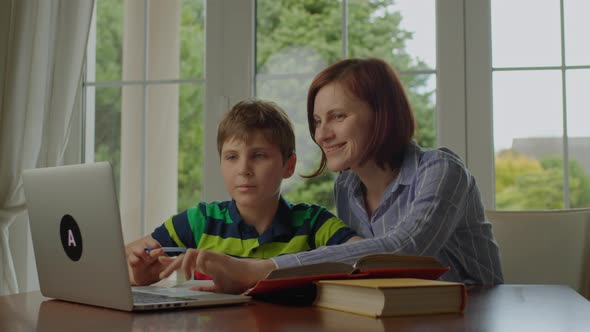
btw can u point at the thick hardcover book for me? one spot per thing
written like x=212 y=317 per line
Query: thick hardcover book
x=391 y=297
x=370 y=266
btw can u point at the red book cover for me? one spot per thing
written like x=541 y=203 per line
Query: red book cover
x=268 y=286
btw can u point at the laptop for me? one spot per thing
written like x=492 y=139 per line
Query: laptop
x=78 y=243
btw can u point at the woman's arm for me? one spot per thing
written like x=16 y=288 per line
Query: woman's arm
x=440 y=190
x=354 y=238
x=432 y=218
x=437 y=211
x=230 y=275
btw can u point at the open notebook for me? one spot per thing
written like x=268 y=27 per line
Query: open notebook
x=78 y=243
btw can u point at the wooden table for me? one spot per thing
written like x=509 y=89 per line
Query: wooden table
x=501 y=308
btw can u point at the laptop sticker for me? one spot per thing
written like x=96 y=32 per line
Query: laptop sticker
x=71 y=238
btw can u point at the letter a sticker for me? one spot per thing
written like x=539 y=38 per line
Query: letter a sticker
x=71 y=237
x=71 y=240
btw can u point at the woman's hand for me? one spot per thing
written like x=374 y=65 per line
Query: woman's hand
x=230 y=275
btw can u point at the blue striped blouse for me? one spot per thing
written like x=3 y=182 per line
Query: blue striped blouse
x=432 y=208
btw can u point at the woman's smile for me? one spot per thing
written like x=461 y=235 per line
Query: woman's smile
x=330 y=149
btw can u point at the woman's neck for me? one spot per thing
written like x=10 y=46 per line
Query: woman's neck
x=375 y=181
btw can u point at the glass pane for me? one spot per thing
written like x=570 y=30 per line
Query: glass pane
x=190 y=145
x=176 y=45
x=578 y=118
x=109 y=39
x=291 y=94
x=421 y=90
x=525 y=33
x=297 y=36
x=107 y=128
x=577 y=26
x=192 y=39
x=307 y=38
x=404 y=34
x=528 y=130
x=578 y=109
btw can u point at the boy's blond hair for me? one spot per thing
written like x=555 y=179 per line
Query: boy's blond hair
x=250 y=116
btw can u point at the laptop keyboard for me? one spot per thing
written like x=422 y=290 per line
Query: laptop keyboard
x=146 y=298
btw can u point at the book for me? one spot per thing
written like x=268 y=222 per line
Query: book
x=382 y=265
x=387 y=297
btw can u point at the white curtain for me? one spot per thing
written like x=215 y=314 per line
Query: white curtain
x=42 y=47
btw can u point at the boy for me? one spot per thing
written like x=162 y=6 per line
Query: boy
x=256 y=145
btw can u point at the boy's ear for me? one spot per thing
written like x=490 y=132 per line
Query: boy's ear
x=290 y=166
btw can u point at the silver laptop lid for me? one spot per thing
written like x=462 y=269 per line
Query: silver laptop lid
x=76 y=233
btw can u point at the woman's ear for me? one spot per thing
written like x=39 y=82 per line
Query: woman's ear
x=290 y=166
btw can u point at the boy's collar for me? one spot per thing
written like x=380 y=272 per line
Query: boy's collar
x=280 y=228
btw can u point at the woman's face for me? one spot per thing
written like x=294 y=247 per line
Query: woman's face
x=343 y=123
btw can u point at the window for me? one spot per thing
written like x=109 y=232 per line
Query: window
x=144 y=89
x=153 y=103
x=540 y=73
x=312 y=35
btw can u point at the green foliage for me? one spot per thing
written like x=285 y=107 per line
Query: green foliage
x=190 y=146
x=374 y=31
x=109 y=40
x=316 y=190
x=108 y=68
x=579 y=183
x=292 y=36
x=190 y=140
x=109 y=51
x=523 y=183
x=304 y=37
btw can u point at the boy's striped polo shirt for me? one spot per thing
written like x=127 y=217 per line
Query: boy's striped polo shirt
x=218 y=226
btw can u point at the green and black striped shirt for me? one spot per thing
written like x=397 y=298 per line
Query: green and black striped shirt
x=218 y=226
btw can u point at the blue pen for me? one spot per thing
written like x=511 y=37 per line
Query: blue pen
x=169 y=250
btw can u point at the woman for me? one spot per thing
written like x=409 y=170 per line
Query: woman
x=401 y=198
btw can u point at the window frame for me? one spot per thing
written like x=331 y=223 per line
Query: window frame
x=464 y=114
x=563 y=68
x=230 y=76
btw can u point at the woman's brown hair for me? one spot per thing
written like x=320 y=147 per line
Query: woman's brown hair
x=374 y=82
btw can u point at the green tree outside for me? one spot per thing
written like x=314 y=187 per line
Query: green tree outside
x=109 y=57
x=313 y=24
x=109 y=52
x=524 y=183
x=303 y=37
x=307 y=34
x=191 y=103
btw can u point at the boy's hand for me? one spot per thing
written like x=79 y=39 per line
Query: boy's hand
x=230 y=275
x=186 y=261
x=144 y=267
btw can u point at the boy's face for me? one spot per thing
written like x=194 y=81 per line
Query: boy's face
x=253 y=170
